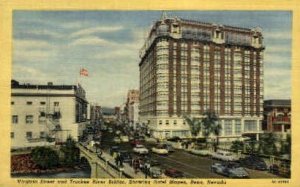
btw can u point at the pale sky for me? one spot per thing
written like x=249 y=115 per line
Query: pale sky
x=52 y=46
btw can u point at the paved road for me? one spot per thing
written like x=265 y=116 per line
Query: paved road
x=192 y=166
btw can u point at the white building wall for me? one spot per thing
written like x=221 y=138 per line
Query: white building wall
x=21 y=109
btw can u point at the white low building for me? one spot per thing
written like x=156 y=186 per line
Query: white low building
x=41 y=113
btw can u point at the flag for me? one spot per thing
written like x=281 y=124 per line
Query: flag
x=84 y=72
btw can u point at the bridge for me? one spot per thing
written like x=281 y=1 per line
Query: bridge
x=102 y=166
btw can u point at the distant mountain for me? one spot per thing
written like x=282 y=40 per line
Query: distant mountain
x=108 y=111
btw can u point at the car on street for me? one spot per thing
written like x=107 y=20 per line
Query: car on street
x=110 y=130
x=155 y=172
x=117 y=140
x=283 y=169
x=125 y=156
x=174 y=173
x=135 y=142
x=159 y=149
x=229 y=169
x=200 y=151
x=140 y=149
x=118 y=132
x=254 y=162
x=168 y=147
x=224 y=155
x=114 y=149
x=124 y=138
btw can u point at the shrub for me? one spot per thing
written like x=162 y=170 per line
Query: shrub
x=45 y=157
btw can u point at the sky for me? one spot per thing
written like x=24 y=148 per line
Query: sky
x=52 y=46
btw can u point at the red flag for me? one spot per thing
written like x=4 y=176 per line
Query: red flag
x=84 y=72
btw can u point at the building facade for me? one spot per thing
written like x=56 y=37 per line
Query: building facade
x=277 y=116
x=132 y=105
x=189 y=67
x=95 y=114
x=46 y=114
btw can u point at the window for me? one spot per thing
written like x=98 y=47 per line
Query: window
x=56 y=103
x=29 y=119
x=29 y=102
x=167 y=122
x=42 y=103
x=28 y=135
x=42 y=134
x=175 y=122
x=160 y=122
x=238 y=127
x=228 y=127
x=12 y=103
x=12 y=135
x=14 y=119
x=250 y=125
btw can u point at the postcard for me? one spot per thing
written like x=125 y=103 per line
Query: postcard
x=149 y=94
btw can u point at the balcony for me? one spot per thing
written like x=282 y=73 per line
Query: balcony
x=281 y=120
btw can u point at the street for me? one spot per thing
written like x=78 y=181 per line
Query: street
x=192 y=166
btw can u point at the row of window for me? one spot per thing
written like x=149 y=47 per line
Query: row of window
x=41 y=103
x=28 y=134
x=168 y=122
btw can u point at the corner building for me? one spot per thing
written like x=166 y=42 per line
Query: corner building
x=189 y=67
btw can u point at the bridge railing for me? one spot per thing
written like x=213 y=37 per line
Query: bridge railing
x=109 y=167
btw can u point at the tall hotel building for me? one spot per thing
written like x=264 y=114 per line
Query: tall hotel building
x=189 y=67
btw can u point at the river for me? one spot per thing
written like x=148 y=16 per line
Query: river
x=70 y=174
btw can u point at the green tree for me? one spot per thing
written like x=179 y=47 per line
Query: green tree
x=211 y=125
x=267 y=144
x=237 y=145
x=195 y=125
x=70 y=152
x=285 y=145
x=45 y=157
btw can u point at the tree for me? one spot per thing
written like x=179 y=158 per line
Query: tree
x=195 y=125
x=237 y=145
x=71 y=152
x=45 y=157
x=211 y=126
x=267 y=144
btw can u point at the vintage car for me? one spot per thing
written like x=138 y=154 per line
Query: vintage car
x=229 y=169
x=159 y=149
x=124 y=138
x=140 y=149
x=224 y=155
x=174 y=173
x=200 y=151
x=155 y=172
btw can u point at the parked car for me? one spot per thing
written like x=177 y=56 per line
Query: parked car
x=159 y=149
x=168 y=147
x=140 y=149
x=118 y=132
x=224 y=155
x=114 y=149
x=155 y=172
x=124 y=138
x=283 y=169
x=230 y=169
x=174 y=173
x=117 y=140
x=254 y=162
x=125 y=156
x=110 y=130
x=201 y=152
x=135 y=142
